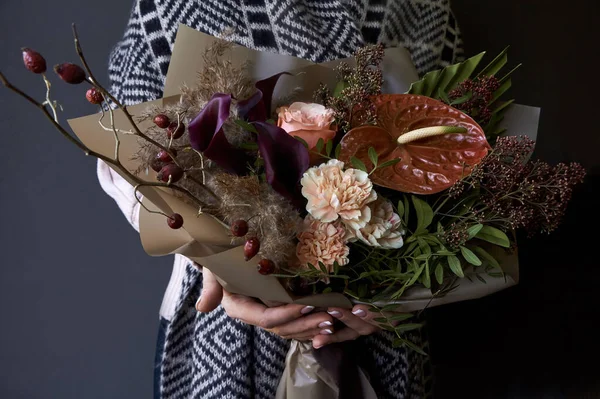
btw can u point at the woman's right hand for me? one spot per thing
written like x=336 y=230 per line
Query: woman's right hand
x=291 y=321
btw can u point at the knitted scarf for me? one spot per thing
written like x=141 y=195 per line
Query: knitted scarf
x=211 y=355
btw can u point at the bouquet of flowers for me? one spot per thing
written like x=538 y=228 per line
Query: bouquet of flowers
x=297 y=182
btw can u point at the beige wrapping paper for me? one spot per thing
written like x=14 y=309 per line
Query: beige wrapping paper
x=206 y=240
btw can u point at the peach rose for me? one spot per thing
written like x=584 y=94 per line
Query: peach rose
x=383 y=230
x=333 y=193
x=322 y=242
x=310 y=122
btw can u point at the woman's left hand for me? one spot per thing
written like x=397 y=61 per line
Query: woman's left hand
x=358 y=320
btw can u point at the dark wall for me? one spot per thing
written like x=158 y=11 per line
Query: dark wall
x=80 y=298
x=538 y=339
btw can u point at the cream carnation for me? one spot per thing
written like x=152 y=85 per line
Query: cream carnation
x=383 y=230
x=333 y=193
x=322 y=242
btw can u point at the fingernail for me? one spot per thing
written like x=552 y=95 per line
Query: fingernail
x=325 y=324
x=335 y=313
x=198 y=303
x=326 y=331
x=359 y=313
x=307 y=309
x=318 y=346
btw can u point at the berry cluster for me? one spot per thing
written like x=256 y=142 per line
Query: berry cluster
x=240 y=228
x=482 y=91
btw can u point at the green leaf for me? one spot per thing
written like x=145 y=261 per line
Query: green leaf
x=246 y=126
x=439 y=273
x=320 y=144
x=427 y=277
x=336 y=267
x=400 y=317
x=408 y=327
x=470 y=256
x=443 y=96
x=329 y=147
x=323 y=268
x=480 y=279
x=400 y=208
x=390 y=162
x=380 y=320
x=504 y=86
x=406 y=210
x=338 y=148
x=358 y=164
x=494 y=236
x=454 y=264
x=473 y=230
x=373 y=157
x=414 y=347
x=496 y=65
x=390 y=308
x=311 y=266
x=339 y=87
x=487 y=257
x=424 y=213
x=327 y=290
x=446 y=79
x=300 y=139
x=462 y=99
x=430 y=82
x=270 y=121
x=422 y=256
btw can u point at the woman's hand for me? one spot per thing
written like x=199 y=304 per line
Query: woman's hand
x=359 y=321
x=290 y=321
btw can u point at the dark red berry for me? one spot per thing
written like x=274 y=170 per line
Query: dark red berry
x=172 y=170
x=156 y=165
x=94 y=96
x=266 y=267
x=162 y=121
x=239 y=228
x=164 y=156
x=70 y=73
x=251 y=248
x=175 y=221
x=174 y=131
x=33 y=60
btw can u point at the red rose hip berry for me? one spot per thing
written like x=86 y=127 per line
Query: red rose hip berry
x=33 y=60
x=172 y=170
x=94 y=96
x=251 y=248
x=175 y=130
x=175 y=221
x=162 y=121
x=70 y=73
x=163 y=156
x=239 y=228
x=266 y=267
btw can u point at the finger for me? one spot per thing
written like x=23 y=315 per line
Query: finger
x=354 y=322
x=251 y=312
x=345 y=334
x=212 y=293
x=304 y=324
x=310 y=334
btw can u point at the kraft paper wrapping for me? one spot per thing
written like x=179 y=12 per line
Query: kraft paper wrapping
x=206 y=240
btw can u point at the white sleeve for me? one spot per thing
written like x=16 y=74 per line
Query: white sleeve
x=121 y=191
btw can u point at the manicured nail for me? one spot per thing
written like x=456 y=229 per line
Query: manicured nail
x=307 y=309
x=335 y=313
x=325 y=324
x=359 y=313
x=318 y=346
x=198 y=303
x=326 y=331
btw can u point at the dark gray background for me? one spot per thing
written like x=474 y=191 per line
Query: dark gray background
x=80 y=299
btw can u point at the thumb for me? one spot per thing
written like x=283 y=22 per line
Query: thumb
x=211 y=294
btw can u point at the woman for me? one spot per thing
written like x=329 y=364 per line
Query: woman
x=229 y=346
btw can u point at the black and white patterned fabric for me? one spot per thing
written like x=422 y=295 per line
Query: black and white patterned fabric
x=211 y=355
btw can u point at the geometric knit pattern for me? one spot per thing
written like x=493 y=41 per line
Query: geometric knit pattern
x=211 y=355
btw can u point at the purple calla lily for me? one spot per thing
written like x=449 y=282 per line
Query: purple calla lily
x=286 y=160
x=258 y=106
x=207 y=136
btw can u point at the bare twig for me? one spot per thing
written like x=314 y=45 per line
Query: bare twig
x=48 y=101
